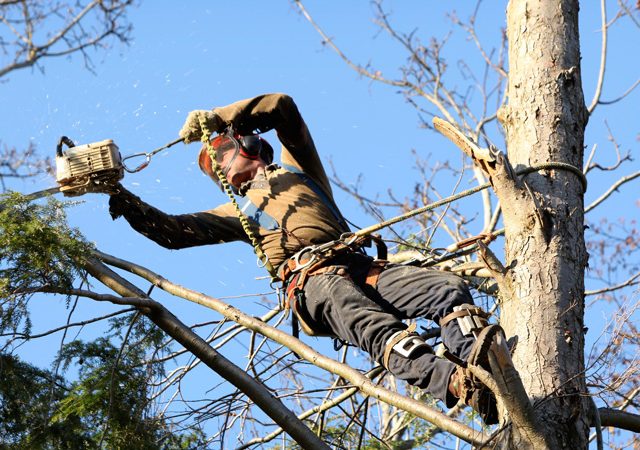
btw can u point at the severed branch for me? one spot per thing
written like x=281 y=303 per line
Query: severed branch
x=364 y=384
x=492 y=162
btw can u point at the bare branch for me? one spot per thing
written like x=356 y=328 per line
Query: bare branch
x=627 y=92
x=619 y=419
x=377 y=75
x=170 y=324
x=77 y=26
x=348 y=393
x=304 y=351
x=67 y=326
x=611 y=190
x=629 y=282
x=603 y=59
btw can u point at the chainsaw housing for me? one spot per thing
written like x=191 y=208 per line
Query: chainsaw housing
x=88 y=168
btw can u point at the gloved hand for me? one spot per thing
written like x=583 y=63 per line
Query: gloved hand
x=191 y=130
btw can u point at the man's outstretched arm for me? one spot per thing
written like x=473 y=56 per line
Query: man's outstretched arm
x=176 y=231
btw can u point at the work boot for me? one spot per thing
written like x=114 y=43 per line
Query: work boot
x=465 y=386
x=479 y=397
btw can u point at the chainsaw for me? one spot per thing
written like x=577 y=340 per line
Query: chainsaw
x=93 y=167
x=87 y=168
x=90 y=167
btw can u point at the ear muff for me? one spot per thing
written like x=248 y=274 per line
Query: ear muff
x=253 y=146
x=267 y=152
x=250 y=146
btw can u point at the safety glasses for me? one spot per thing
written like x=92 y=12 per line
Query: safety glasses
x=227 y=148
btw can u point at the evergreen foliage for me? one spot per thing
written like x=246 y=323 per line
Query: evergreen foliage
x=38 y=251
x=28 y=398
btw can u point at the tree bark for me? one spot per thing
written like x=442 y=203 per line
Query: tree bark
x=545 y=253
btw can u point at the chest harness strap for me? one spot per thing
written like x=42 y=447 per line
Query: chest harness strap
x=264 y=220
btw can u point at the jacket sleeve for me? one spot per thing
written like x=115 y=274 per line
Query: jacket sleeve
x=177 y=231
x=278 y=111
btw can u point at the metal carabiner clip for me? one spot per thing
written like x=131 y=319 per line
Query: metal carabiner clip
x=349 y=239
x=300 y=265
x=139 y=167
x=147 y=156
x=262 y=263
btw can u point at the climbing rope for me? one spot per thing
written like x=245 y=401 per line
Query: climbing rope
x=468 y=192
x=244 y=221
x=264 y=259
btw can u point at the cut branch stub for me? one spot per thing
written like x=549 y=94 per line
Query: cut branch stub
x=482 y=157
x=495 y=164
x=491 y=161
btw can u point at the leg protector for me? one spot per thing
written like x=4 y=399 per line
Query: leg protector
x=471 y=319
x=405 y=343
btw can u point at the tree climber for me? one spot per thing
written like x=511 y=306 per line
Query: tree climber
x=345 y=294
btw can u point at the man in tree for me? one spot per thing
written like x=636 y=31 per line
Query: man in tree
x=333 y=287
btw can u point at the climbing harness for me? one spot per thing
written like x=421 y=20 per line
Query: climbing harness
x=322 y=259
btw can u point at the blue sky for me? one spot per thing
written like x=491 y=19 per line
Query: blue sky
x=201 y=54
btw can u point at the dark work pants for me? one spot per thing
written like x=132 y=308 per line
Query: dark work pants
x=365 y=317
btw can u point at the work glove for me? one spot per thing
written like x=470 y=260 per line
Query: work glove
x=192 y=131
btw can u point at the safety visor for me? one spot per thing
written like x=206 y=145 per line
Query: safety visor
x=227 y=150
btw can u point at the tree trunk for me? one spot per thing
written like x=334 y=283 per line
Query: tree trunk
x=545 y=251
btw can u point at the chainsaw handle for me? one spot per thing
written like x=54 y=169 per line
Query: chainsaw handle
x=63 y=140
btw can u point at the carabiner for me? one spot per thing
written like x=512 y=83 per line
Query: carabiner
x=352 y=238
x=296 y=258
x=147 y=156
x=141 y=166
x=260 y=263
